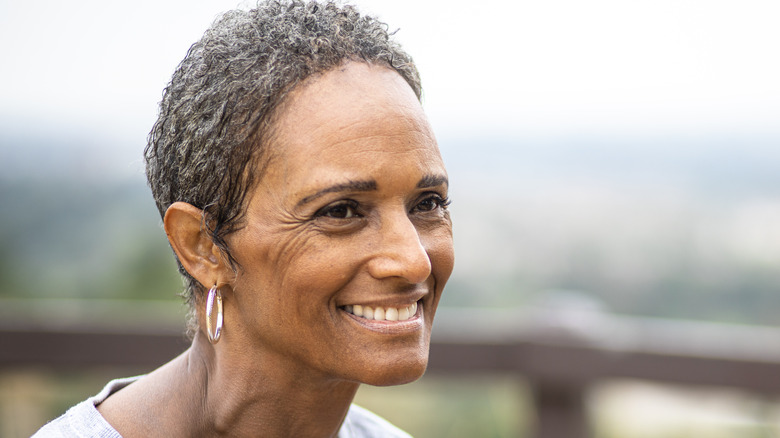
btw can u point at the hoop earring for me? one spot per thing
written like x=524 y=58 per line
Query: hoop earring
x=214 y=333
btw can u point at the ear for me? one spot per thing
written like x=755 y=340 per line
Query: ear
x=197 y=252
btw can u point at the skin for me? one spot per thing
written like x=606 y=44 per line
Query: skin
x=351 y=211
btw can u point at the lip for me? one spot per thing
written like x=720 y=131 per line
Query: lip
x=413 y=324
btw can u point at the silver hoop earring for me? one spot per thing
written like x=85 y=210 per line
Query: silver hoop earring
x=214 y=332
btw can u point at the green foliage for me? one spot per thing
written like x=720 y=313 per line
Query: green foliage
x=71 y=239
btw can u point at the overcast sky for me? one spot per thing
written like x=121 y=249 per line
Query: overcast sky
x=489 y=67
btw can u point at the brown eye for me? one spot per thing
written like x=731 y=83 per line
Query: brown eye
x=343 y=210
x=431 y=203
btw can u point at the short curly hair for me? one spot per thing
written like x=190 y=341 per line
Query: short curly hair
x=208 y=145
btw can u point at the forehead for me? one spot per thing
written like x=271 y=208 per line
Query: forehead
x=354 y=114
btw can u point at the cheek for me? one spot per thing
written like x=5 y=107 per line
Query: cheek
x=312 y=268
x=442 y=254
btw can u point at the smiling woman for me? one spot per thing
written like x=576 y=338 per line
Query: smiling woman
x=351 y=212
x=304 y=196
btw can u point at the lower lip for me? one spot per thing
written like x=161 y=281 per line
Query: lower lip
x=412 y=324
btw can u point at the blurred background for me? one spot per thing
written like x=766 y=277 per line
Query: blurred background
x=609 y=161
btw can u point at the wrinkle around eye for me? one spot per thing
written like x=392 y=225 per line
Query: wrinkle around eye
x=336 y=226
x=339 y=217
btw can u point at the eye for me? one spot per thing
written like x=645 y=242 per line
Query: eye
x=431 y=203
x=340 y=210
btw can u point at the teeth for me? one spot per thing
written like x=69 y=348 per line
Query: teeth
x=383 y=313
x=391 y=314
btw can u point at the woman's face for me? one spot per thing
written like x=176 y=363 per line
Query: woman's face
x=349 y=217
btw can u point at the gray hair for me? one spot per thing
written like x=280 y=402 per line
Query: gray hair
x=208 y=146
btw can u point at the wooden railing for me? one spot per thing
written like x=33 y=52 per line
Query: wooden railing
x=560 y=352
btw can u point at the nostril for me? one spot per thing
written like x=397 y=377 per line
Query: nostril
x=414 y=265
x=400 y=252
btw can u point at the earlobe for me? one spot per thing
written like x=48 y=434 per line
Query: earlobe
x=198 y=254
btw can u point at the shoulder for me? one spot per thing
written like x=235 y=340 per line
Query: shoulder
x=83 y=419
x=362 y=423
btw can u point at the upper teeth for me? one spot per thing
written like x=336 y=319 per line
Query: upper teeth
x=383 y=313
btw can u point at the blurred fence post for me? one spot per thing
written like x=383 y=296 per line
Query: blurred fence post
x=560 y=410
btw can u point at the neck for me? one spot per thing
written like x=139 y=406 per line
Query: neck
x=241 y=394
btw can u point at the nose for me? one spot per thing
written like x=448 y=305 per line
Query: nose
x=399 y=252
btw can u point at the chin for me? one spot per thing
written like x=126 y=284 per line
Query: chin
x=397 y=372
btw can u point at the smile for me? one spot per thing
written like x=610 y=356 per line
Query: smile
x=383 y=313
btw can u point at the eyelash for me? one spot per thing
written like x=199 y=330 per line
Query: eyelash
x=441 y=202
x=327 y=211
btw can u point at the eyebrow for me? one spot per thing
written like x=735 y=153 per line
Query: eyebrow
x=432 y=181
x=369 y=185
x=350 y=186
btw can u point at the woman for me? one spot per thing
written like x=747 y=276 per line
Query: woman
x=304 y=196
